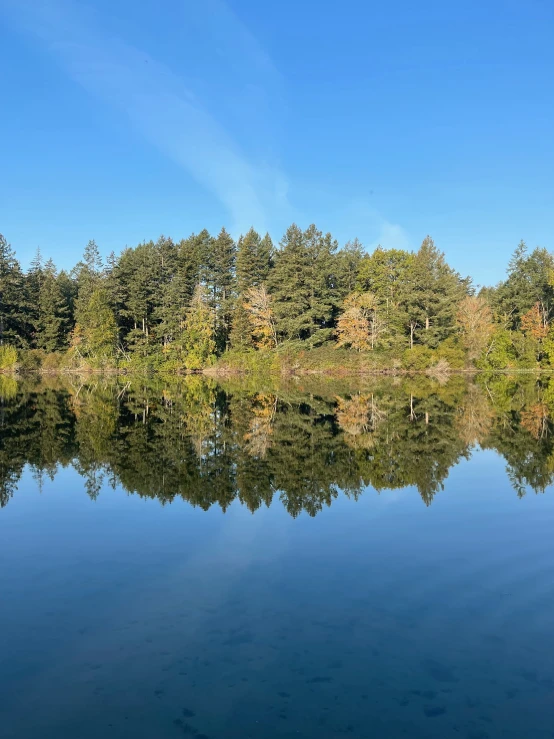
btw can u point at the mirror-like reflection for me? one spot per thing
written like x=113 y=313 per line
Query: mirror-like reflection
x=298 y=441
x=394 y=581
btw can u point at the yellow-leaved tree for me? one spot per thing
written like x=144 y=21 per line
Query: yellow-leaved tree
x=360 y=325
x=258 y=306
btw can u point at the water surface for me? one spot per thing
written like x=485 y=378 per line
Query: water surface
x=304 y=559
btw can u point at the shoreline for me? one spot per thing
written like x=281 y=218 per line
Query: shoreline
x=215 y=372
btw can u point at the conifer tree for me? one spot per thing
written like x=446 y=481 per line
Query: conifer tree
x=15 y=326
x=220 y=281
x=349 y=261
x=529 y=281
x=303 y=285
x=53 y=313
x=432 y=293
x=253 y=260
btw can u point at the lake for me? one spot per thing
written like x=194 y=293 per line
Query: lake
x=300 y=558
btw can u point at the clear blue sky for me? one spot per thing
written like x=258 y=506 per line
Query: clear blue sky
x=122 y=120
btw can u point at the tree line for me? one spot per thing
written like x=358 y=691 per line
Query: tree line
x=175 y=305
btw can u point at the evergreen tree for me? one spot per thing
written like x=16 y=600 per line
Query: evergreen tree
x=53 y=313
x=87 y=275
x=349 y=262
x=254 y=256
x=241 y=328
x=176 y=295
x=15 y=326
x=529 y=282
x=432 y=293
x=220 y=281
x=303 y=285
x=34 y=281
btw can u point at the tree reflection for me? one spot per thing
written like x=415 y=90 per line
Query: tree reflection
x=301 y=442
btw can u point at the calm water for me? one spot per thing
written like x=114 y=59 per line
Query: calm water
x=300 y=560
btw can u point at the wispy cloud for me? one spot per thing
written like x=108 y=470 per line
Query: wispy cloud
x=391 y=235
x=365 y=221
x=169 y=111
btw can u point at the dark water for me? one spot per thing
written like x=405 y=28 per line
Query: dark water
x=300 y=560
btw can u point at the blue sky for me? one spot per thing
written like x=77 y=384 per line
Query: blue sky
x=387 y=121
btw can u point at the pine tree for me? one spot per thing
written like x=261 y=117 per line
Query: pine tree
x=254 y=256
x=529 y=281
x=176 y=293
x=15 y=326
x=87 y=275
x=303 y=285
x=53 y=313
x=34 y=281
x=220 y=281
x=349 y=261
x=431 y=293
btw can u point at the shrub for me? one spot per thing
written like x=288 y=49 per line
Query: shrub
x=419 y=358
x=454 y=356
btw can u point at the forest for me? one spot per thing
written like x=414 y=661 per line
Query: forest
x=177 y=306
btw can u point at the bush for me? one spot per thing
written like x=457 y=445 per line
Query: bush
x=454 y=356
x=419 y=358
x=8 y=358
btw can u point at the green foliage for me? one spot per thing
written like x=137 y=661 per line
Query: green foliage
x=95 y=333
x=419 y=358
x=52 y=321
x=220 y=283
x=8 y=358
x=15 y=309
x=303 y=285
x=431 y=293
x=501 y=353
x=254 y=259
x=199 y=343
x=31 y=360
x=137 y=310
x=529 y=282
